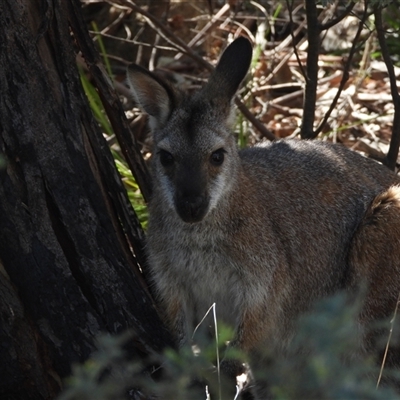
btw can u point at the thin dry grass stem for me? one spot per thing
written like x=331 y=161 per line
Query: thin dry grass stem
x=213 y=307
x=209 y=26
x=290 y=39
x=114 y=24
x=262 y=88
x=132 y=41
x=152 y=61
x=388 y=342
x=348 y=105
x=292 y=36
x=261 y=8
x=242 y=27
x=280 y=65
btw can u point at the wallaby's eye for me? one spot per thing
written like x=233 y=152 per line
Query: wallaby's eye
x=166 y=158
x=217 y=158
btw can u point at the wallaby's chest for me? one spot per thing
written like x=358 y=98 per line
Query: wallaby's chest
x=204 y=273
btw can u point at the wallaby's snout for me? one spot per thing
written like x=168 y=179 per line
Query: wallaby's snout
x=191 y=198
x=192 y=207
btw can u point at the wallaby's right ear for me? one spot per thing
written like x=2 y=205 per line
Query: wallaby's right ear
x=153 y=95
x=230 y=70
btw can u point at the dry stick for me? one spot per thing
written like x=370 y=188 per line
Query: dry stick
x=114 y=24
x=280 y=65
x=313 y=36
x=336 y=20
x=131 y=41
x=167 y=34
x=292 y=35
x=210 y=25
x=290 y=39
x=255 y=122
x=391 y=157
x=388 y=342
x=345 y=75
x=310 y=92
x=213 y=307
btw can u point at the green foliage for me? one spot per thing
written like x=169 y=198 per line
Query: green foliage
x=392 y=18
x=131 y=186
x=322 y=363
x=134 y=194
x=103 y=51
x=105 y=376
x=108 y=375
x=242 y=131
x=95 y=104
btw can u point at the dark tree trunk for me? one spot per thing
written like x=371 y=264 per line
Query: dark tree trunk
x=67 y=271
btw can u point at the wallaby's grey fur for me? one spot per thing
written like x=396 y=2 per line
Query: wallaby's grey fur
x=265 y=231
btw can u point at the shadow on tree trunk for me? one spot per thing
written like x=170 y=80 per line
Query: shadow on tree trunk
x=66 y=224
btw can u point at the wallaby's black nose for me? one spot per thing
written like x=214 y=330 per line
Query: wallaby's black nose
x=192 y=208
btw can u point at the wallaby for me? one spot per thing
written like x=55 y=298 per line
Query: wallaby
x=262 y=232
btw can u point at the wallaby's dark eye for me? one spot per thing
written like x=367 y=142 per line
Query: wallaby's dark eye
x=166 y=158
x=217 y=158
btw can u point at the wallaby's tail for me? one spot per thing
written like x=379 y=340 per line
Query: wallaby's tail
x=375 y=258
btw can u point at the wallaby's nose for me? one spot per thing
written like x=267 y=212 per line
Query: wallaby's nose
x=192 y=208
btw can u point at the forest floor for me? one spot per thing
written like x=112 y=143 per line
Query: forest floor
x=171 y=37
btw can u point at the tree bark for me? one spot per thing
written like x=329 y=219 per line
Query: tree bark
x=68 y=272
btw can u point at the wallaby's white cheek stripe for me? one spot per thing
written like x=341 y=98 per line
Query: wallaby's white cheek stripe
x=217 y=189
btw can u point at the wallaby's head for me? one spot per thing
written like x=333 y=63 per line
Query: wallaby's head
x=195 y=156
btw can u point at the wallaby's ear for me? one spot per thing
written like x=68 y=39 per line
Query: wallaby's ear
x=231 y=70
x=153 y=95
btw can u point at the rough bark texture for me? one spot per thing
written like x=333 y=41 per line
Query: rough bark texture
x=67 y=269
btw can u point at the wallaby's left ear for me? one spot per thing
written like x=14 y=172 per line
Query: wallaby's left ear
x=152 y=94
x=230 y=70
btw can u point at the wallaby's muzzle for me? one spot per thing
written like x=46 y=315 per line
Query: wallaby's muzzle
x=192 y=208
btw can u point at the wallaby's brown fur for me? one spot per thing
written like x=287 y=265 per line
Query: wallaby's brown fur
x=263 y=232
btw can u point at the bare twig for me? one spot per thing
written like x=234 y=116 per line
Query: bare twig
x=255 y=122
x=290 y=9
x=391 y=158
x=388 y=342
x=166 y=33
x=339 y=18
x=210 y=25
x=345 y=75
x=310 y=93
